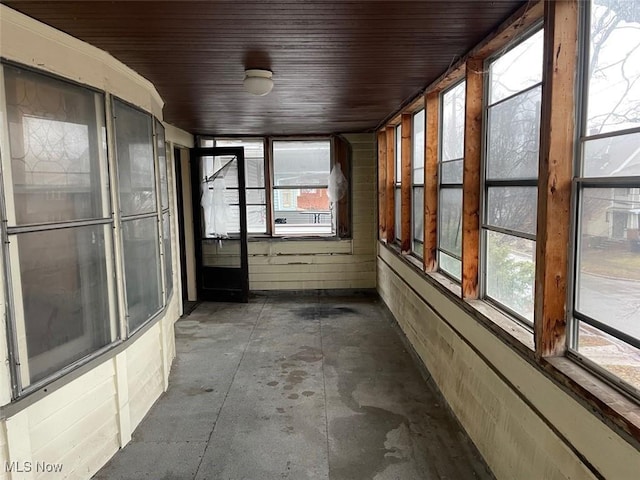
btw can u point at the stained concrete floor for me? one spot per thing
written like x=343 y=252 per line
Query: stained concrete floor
x=295 y=387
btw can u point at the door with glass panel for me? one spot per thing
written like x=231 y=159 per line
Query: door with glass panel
x=220 y=223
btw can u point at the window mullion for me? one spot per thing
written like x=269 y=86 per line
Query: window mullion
x=555 y=176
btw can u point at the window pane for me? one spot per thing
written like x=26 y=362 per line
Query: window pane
x=168 y=262
x=64 y=291
x=253 y=158
x=613 y=71
x=417 y=139
x=56 y=136
x=418 y=218
x=612 y=156
x=451 y=265
x=301 y=163
x=135 y=160
x=514 y=137
x=398 y=214
x=302 y=212
x=608 y=283
x=615 y=356
x=514 y=208
x=510 y=272
x=256 y=219
x=161 y=149
x=453 y=103
x=142 y=269
x=450 y=220
x=519 y=68
x=256 y=197
x=398 y=153
x=451 y=172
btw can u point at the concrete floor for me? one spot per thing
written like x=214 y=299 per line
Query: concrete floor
x=295 y=387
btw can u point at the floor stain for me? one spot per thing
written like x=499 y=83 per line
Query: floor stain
x=273 y=384
x=280 y=410
x=323 y=311
x=294 y=396
x=308 y=393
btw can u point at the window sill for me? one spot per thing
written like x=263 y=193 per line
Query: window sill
x=615 y=409
x=282 y=238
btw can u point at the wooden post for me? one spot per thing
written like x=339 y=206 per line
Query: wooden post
x=405 y=191
x=390 y=184
x=382 y=185
x=554 y=185
x=432 y=111
x=471 y=178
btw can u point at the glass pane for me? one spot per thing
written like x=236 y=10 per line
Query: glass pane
x=453 y=104
x=398 y=153
x=398 y=214
x=417 y=141
x=450 y=220
x=253 y=158
x=135 y=160
x=514 y=137
x=510 y=272
x=451 y=172
x=256 y=197
x=168 y=255
x=301 y=162
x=519 y=68
x=64 y=291
x=610 y=353
x=451 y=265
x=256 y=219
x=613 y=71
x=161 y=149
x=222 y=253
x=514 y=208
x=608 y=283
x=612 y=157
x=302 y=212
x=418 y=217
x=141 y=269
x=219 y=194
x=57 y=138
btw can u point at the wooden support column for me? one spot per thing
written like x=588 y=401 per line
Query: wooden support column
x=432 y=111
x=382 y=185
x=390 y=184
x=554 y=187
x=405 y=191
x=471 y=178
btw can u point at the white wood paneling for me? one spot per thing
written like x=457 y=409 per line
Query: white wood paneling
x=515 y=439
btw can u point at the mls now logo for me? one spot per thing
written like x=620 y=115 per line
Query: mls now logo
x=26 y=467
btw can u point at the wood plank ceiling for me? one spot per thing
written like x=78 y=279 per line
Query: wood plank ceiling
x=338 y=65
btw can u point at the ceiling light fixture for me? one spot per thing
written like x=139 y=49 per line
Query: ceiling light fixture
x=258 y=82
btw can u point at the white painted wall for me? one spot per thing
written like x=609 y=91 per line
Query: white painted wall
x=513 y=436
x=83 y=423
x=327 y=264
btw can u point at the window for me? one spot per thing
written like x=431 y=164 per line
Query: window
x=139 y=210
x=450 y=181
x=58 y=224
x=606 y=318
x=254 y=181
x=511 y=176
x=397 y=191
x=301 y=171
x=417 y=178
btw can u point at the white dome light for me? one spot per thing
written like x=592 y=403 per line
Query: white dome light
x=258 y=82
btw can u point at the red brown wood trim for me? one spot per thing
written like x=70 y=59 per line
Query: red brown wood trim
x=390 y=211
x=432 y=110
x=405 y=189
x=382 y=185
x=471 y=178
x=554 y=188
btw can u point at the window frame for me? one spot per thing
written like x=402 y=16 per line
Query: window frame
x=486 y=184
x=417 y=186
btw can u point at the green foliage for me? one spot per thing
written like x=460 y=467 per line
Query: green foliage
x=509 y=279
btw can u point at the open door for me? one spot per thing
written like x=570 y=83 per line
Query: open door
x=220 y=223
